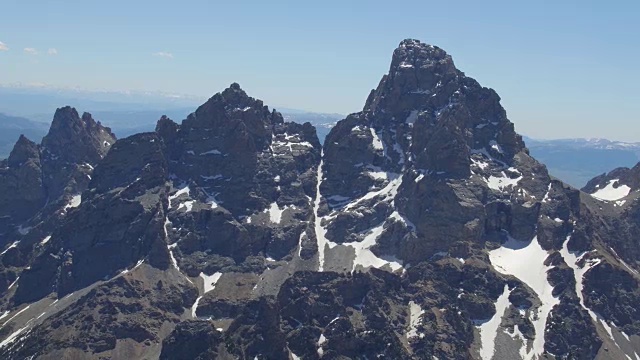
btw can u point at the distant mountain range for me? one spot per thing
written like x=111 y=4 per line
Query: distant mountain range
x=11 y=127
x=574 y=161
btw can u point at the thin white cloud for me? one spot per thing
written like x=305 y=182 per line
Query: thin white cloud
x=163 y=54
x=52 y=51
x=30 y=51
x=3 y=46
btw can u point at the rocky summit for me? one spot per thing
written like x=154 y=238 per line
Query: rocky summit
x=422 y=229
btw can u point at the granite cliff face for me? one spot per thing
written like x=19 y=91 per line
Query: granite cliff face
x=422 y=229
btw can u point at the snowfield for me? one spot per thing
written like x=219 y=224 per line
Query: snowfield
x=525 y=260
x=611 y=193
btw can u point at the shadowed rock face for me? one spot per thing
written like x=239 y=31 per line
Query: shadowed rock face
x=72 y=147
x=77 y=139
x=23 y=192
x=422 y=230
x=38 y=180
x=242 y=171
x=120 y=219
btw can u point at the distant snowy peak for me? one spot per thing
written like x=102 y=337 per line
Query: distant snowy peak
x=582 y=143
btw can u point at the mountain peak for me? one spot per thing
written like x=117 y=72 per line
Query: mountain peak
x=77 y=139
x=234 y=91
x=65 y=115
x=23 y=150
x=413 y=54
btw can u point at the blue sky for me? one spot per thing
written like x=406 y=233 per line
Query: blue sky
x=562 y=70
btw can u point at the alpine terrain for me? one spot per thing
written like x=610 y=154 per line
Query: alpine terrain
x=422 y=229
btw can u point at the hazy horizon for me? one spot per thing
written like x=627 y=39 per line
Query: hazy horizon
x=562 y=70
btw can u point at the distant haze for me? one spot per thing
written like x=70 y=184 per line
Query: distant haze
x=563 y=70
x=574 y=161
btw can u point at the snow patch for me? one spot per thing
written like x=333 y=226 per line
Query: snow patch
x=526 y=262
x=194 y=307
x=14 y=316
x=376 y=172
x=546 y=195
x=479 y=163
x=185 y=190
x=15 y=243
x=45 y=240
x=415 y=313
x=377 y=143
x=11 y=338
x=610 y=193
x=389 y=191
x=210 y=281
x=495 y=146
x=321 y=232
x=275 y=212
x=500 y=183
x=74 y=202
x=489 y=329
x=517 y=334
x=321 y=341
x=365 y=257
x=14 y=283
x=403 y=219
x=187 y=204
x=573 y=259
x=405 y=65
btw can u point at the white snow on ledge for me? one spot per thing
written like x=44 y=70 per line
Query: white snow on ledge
x=210 y=281
x=415 y=320
x=580 y=268
x=187 y=204
x=74 y=203
x=209 y=284
x=377 y=143
x=275 y=212
x=45 y=240
x=610 y=193
x=365 y=257
x=502 y=182
x=184 y=190
x=15 y=243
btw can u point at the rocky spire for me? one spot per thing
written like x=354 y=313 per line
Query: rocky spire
x=23 y=151
x=21 y=189
x=77 y=139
